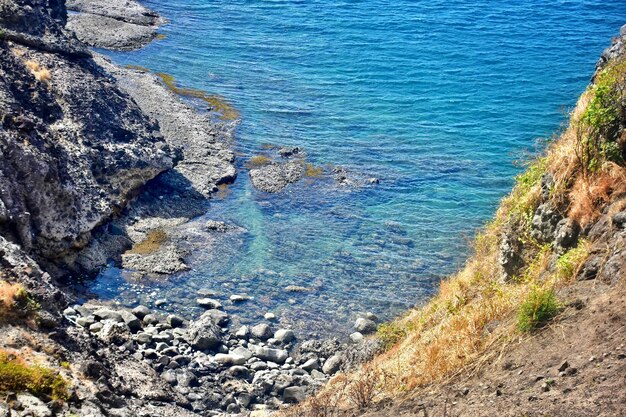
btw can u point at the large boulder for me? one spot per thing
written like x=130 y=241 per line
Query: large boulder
x=204 y=333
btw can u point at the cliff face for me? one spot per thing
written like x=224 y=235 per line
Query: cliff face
x=73 y=147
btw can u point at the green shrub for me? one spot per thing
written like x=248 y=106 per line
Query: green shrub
x=568 y=263
x=537 y=309
x=599 y=126
x=390 y=333
x=17 y=376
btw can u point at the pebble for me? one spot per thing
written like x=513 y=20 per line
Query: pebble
x=235 y=298
x=209 y=303
x=269 y=316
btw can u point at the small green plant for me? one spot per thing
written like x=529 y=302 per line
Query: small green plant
x=529 y=178
x=537 y=309
x=17 y=376
x=568 y=264
x=599 y=128
x=390 y=334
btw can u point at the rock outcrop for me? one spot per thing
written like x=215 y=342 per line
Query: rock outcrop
x=74 y=148
x=119 y=24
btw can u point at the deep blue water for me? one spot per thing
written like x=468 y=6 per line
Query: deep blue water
x=435 y=98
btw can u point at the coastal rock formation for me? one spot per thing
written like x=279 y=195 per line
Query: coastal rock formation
x=118 y=24
x=74 y=148
x=274 y=177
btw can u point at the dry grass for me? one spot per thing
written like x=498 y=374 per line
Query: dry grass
x=150 y=244
x=41 y=74
x=13 y=296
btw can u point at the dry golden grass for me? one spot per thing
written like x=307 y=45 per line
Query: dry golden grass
x=10 y=295
x=41 y=74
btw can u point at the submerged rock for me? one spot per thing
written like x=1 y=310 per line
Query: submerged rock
x=275 y=177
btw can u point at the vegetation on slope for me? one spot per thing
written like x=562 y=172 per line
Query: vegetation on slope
x=510 y=284
x=17 y=376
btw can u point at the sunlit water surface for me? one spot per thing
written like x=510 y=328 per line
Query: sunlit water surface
x=435 y=98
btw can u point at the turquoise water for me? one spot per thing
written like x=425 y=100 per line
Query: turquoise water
x=435 y=98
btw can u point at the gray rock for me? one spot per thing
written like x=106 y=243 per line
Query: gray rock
x=217 y=226
x=356 y=337
x=33 y=406
x=317 y=375
x=107 y=314
x=115 y=333
x=209 y=303
x=204 y=333
x=310 y=365
x=143 y=338
x=186 y=378
x=332 y=365
x=151 y=319
x=241 y=351
x=123 y=10
x=235 y=298
x=229 y=359
x=141 y=312
x=96 y=327
x=294 y=395
x=133 y=323
x=262 y=331
x=275 y=177
x=510 y=255
x=85 y=321
x=170 y=377
x=109 y=33
x=258 y=366
x=243 y=332
x=70 y=312
x=219 y=317
x=268 y=354
x=175 y=321
x=284 y=335
x=239 y=371
x=364 y=325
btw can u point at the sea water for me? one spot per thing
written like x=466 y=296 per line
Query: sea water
x=437 y=99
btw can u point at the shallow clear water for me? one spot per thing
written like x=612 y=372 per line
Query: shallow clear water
x=435 y=98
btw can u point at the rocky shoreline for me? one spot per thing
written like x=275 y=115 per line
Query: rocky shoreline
x=218 y=369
